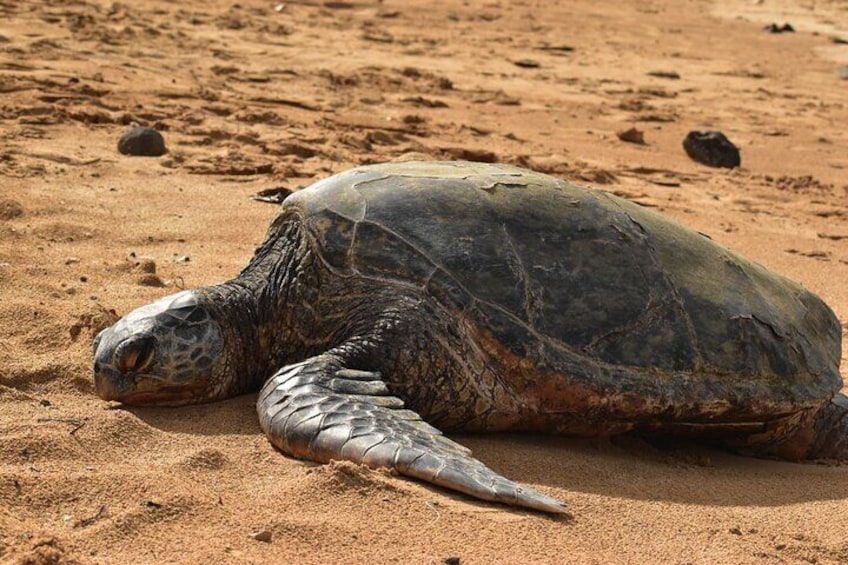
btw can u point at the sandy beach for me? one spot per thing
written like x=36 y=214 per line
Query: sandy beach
x=252 y=96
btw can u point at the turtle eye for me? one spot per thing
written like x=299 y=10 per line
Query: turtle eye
x=135 y=355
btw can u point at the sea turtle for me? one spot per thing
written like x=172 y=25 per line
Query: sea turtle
x=393 y=301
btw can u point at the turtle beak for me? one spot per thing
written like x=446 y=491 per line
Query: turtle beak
x=118 y=362
x=105 y=384
x=106 y=377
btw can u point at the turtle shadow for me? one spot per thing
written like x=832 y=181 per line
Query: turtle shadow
x=227 y=417
x=681 y=472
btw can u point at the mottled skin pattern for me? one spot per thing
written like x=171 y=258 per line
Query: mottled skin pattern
x=193 y=347
x=392 y=300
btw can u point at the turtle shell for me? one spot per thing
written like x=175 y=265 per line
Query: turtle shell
x=575 y=280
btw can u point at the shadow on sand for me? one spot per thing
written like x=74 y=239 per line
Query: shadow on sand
x=681 y=472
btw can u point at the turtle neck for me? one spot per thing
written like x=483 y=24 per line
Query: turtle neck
x=267 y=311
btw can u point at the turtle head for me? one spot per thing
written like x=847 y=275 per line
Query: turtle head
x=166 y=353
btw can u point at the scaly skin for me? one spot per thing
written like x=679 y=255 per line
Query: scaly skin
x=319 y=411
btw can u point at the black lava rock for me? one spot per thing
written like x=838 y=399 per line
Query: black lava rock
x=712 y=148
x=142 y=142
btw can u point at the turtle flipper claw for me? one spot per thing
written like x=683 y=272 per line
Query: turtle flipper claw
x=320 y=411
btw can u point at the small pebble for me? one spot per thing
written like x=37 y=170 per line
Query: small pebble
x=673 y=75
x=712 y=148
x=526 y=64
x=774 y=28
x=273 y=195
x=264 y=536
x=10 y=209
x=146 y=266
x=72 y=260
x=632 y=135
x=150 y=279
x=142 y=142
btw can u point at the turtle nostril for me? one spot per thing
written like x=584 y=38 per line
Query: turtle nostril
x=135 y=355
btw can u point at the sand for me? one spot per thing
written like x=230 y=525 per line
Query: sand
x=260 y=95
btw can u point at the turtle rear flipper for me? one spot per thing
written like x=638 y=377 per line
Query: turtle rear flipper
x=832 y=430
x=319 y=410
x=824 y=435
x=815 y=434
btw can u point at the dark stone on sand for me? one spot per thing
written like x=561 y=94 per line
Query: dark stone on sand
x=712 y=148
x=673 y=75
x=527 y=64
x=273 y=195
x=149 y=279
x=774 y=28
x=10 y=209
x=142 y=142
x=265 y=536
x=632 y=135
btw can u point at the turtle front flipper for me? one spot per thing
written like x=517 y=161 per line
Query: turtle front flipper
x=319 y=410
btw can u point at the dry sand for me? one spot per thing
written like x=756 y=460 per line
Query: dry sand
x=251 y=97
